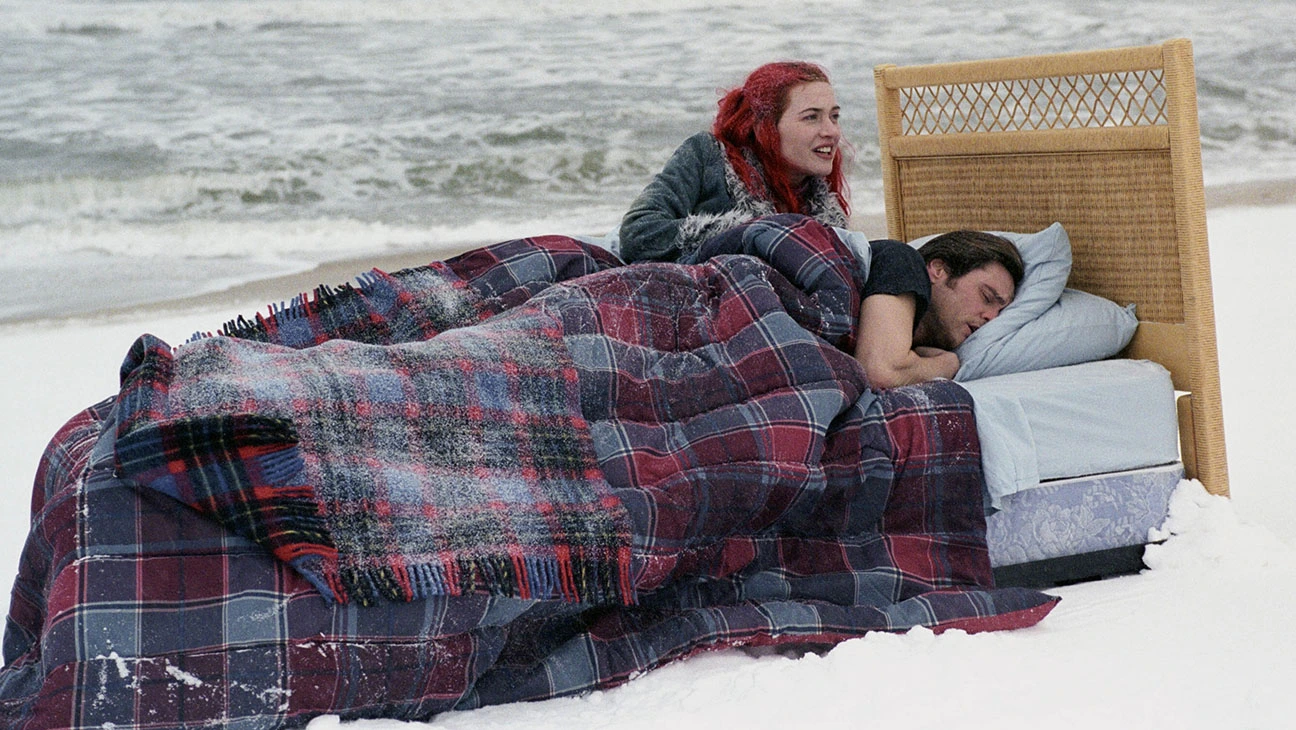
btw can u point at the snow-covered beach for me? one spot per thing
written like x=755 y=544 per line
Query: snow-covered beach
x=254 y=150
x=1198 y=641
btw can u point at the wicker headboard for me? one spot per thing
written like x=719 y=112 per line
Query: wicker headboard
x=1107 y=143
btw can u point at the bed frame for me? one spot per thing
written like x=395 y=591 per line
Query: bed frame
x=1107 y=143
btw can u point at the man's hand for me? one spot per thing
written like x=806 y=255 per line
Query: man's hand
x=949 y=362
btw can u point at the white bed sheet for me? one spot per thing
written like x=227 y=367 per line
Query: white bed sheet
x=1072 y=421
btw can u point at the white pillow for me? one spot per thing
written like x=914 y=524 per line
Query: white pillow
x=1044 y=326
x=1079 y=327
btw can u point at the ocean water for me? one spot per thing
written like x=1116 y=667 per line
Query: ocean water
x=151 y=149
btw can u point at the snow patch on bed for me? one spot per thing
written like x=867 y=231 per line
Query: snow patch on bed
x=183 y=676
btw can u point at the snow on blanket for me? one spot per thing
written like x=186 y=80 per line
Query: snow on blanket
x=694 y=461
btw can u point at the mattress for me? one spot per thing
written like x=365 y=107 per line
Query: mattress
x=1081 y=515
x=1093 y=418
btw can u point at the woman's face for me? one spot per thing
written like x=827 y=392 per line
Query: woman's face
x=808 y=130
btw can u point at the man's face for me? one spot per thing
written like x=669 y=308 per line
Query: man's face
x=959 y=306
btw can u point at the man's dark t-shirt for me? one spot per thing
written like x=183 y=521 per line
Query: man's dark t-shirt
x=897 y=268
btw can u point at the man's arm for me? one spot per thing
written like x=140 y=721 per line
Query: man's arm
x=884 y=344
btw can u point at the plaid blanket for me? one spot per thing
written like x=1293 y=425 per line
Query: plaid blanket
x=764 y=494
x=455 y=464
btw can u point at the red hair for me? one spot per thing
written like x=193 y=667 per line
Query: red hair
x=748 y=122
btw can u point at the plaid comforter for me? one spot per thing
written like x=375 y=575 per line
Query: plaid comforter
x=631 y=464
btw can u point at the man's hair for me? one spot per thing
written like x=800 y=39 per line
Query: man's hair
x=964 y=251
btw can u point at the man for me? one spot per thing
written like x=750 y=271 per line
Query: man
x=920 y=305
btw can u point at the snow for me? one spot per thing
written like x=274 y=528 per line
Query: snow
x=1189 y=644
x=1199 y=640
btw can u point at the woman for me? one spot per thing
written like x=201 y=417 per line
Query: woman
x=775 y=147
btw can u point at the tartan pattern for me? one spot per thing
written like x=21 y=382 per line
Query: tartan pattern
x=868 y=517
x=415 y=304
x=447 y=466
x=230 y=465
x=825 y=281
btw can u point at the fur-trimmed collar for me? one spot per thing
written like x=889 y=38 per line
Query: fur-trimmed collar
x=821 y=203
x=820 y=200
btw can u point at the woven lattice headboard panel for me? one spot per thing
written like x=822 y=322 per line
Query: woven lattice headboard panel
x=1107 y=143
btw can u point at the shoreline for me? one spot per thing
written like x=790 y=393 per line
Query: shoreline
x=256 y=295
x=1255 y=193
